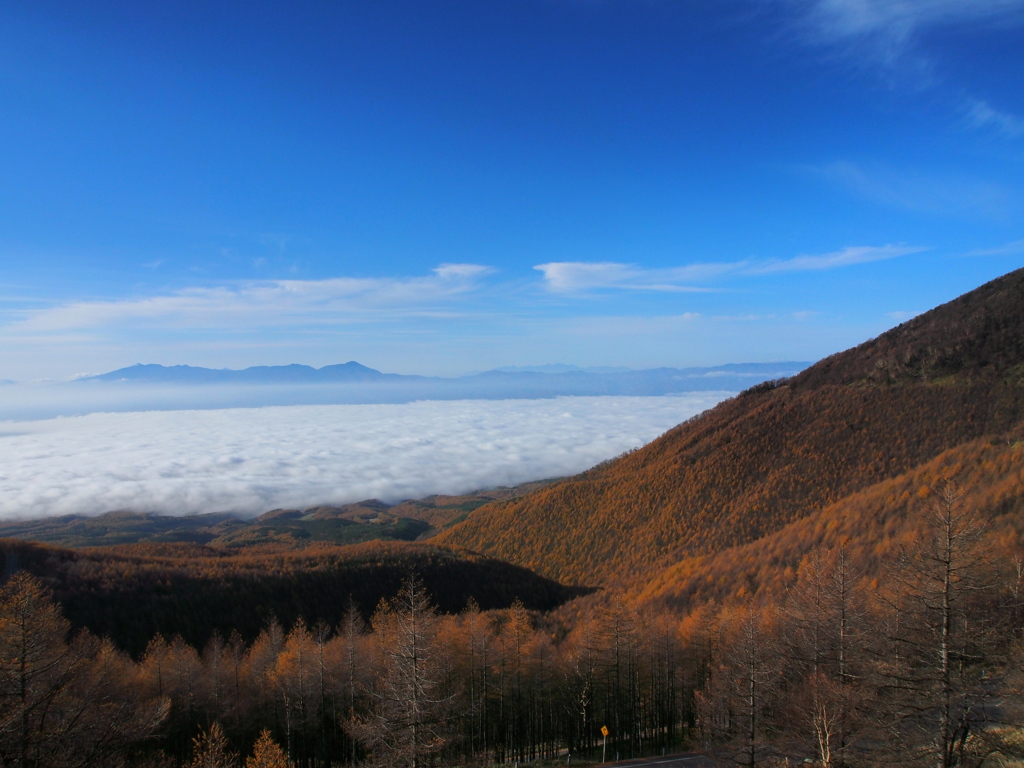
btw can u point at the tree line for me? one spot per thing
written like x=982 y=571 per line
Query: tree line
x=922 y=666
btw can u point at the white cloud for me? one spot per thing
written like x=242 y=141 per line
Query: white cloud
x=981 y=115
x=582 y=276
x=845 y=258
x=253 y=460
x=890 y=36
x=266 y=303
x=896 y=20
x=451 y=271
x=900 y=315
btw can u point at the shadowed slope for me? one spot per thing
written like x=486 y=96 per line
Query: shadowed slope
x=131 y=593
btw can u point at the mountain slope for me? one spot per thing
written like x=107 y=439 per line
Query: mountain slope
x=978 y=335
x=776 y=453
x=870 y=525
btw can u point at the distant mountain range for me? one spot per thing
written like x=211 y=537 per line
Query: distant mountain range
x=851 y=453
x=538 y=381
x=260 y=374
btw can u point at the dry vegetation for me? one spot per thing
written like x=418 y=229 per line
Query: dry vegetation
x=827 y=570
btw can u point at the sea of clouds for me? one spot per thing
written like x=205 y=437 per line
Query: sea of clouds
x=250 y=460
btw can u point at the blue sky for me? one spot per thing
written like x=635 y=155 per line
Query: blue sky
x=443 y=187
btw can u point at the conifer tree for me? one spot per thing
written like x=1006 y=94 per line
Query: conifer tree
x=408 y=721
x=210 y=750
x=62 y=704
x=266 y=753
x=735 y=705
x=824 y=615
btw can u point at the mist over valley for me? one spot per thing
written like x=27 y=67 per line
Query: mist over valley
x=250 y=460
x=405 y=384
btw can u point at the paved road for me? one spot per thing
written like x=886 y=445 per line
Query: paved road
x=687 y=760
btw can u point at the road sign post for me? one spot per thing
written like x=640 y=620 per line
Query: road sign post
x=604 y=742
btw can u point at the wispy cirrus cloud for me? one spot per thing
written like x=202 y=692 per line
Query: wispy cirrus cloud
x=903 y=314
x=981 y=115
x=581 y=277
x=265 y=303
x=891 y=23
x=891 y=37
x=847 y=257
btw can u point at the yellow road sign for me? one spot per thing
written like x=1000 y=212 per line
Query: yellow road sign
x=604 y=730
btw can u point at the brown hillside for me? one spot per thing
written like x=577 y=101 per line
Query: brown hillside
x=772 y=456
x=869 y=526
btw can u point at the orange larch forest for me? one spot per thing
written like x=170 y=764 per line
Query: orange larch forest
x=824 y=570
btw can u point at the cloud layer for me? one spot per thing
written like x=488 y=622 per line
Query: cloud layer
x=268 y=302
x=583 y=276
x=252 y=460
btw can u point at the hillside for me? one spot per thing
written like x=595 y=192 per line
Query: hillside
x=870 y=526
x=131 y=593
x=777 y=453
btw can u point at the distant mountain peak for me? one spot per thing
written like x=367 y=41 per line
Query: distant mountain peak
x=561 y=368
x=293 y=373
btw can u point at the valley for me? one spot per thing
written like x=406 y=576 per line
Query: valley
x=835 y=519
x=531 y=384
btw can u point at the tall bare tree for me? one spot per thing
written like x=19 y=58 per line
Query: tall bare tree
x=408 y=721
x=941 y=667
x=735 y=706
x=824 y=616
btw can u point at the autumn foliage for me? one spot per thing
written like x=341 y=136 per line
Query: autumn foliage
x=775 y=455
x=827 y=570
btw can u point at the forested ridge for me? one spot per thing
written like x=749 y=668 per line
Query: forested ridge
x=827 y=570
x=870 y=526
x=778 y=452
